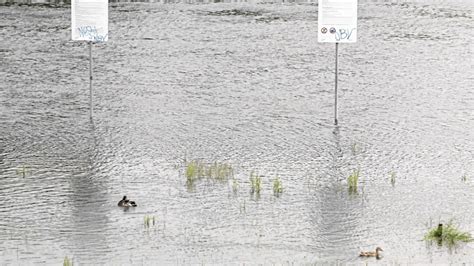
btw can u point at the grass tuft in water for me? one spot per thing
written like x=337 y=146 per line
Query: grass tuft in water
x=393 y=177
x=255 y=183
x=149 y=221
x=352 y=181
x=277 y=186
x=464 y=178
x=448 y=234
x=67 y=262
x=196 y=170
x=23 y=171
x=219 y=171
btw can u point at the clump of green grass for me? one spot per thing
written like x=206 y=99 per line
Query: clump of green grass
x=255 y=183
x=216 y=171
x=194 y=170
x=23 y=171
x=277 y=186
x=219 y=171
x=352 y=181
x=149 y=220
x=393 y=177
x=464 y=178
x=449 y=234
x=67 y=262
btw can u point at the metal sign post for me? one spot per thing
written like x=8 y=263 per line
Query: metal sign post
x=337 y=23
x=90 y=78
x=335 y=89
x=89 y=22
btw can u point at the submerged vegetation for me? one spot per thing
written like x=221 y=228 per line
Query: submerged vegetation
x=277 y=186
x=448 y=234
x=23 y=171
x=196 y=170
x=352 y=181
x=67 y=262
x=255 y=183
x=193 y=171
x=392 y=178
x=217 y=171
x=148 y=221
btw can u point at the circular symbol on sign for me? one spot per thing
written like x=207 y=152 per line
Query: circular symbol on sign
x=332 y=30
x=324 y=30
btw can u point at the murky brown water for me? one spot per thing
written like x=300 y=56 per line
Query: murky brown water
x=253 y=88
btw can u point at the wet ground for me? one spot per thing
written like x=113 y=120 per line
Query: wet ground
x=246 y=84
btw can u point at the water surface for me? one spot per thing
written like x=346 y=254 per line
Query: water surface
x=247 y=84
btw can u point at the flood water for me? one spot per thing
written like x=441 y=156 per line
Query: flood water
x=246 y=84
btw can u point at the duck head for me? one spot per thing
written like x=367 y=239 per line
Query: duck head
x=377 y=254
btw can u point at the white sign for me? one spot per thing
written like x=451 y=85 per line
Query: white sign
x=337 y=21
x=89 y=20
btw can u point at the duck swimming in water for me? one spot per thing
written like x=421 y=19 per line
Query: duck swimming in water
x=439 y=231
x=371 y=253
x=126 y=203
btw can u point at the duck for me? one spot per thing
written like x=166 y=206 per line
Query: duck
x=371 y=253
x=126 y=203
x=439 y=231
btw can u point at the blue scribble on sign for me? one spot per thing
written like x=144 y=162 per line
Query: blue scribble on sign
x=343 y=34
x=91 y=33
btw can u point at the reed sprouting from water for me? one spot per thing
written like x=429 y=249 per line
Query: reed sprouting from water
x=392 y=178
x=255 y=183
x=23 y=171
x=196 y=170
x=464 y=178
x=448 y=234
x=219 y=171
x=67 y=262
x=277 y=186
x=149 y=221
x=352 y=181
